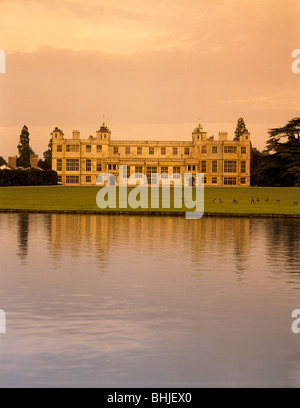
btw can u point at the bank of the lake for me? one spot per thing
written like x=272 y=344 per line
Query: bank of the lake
x=218 y=201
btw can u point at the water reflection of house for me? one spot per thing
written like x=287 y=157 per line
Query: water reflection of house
x=100 y=236
x=76 y=231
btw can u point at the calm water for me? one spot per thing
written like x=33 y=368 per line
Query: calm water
x=148 y=301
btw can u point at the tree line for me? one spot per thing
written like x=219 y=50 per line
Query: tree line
x=278 y=165
x=29 y=176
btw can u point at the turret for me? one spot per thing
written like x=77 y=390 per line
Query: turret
x=104 y=134
x=198 y=134
x=57 y=134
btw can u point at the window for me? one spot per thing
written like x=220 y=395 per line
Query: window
x=115 y=167
x=164 y=172
x=138 y=172
x=163 y=150
x=116 y=150
x=186 y=151
x=204 y=149
x=243 y=180
x=214 y=149
x=243 y=150
x=99 y=166
x=88 y=165
x=99 y=148
x=214 y=180
x=243 y=167
x=229 y=166
x=176 y=172
x=214 y=166
x=139 y=150
x=230 y=149
x=194 y=168
x=175 y=151
x=72 y=179
x=72 y=148
x=59 y=148
x=72 y=165
x=59 y=165
x=152 y=175
x=127 y=150
x=88 y=148
x=189 y=168
x=204 y=180
x=126 y=172
x=59 y=179
x=151 y=150
x=229 y=181
x=203 y=167
x=109 y=167
x=88 y=179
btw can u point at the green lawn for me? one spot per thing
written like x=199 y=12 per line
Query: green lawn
x=84 y=199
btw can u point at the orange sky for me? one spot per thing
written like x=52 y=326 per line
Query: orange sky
x=152 y=67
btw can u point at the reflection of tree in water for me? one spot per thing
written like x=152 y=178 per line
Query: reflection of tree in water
x=283 y=244
x=242 y=228
x=23 y=229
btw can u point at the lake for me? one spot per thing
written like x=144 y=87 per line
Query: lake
x=134 y=301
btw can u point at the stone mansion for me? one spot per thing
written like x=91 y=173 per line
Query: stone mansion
x=224 y=162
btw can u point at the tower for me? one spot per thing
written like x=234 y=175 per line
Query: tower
x=57 y=134
x=104 y=134
x=198 y=134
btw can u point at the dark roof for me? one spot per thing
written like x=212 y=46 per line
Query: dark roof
x=104 y=128
x=58 y=130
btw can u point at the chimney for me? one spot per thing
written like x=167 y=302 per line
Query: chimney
x=34 y=161
x=223 y=136
x=76 y=134
x=12 y=161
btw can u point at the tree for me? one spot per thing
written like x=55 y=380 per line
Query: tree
x=46 y=164
x=240 y=129
x=284 y=145
x=24 y=148
x=2 y=161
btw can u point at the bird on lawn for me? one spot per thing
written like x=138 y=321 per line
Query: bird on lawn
x=213 y=201
x=252 y=201
x=220 y=201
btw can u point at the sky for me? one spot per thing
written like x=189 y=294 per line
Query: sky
x=152 y=68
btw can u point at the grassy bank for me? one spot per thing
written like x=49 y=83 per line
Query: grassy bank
x=281 y=201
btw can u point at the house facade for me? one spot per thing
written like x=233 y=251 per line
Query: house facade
x=224 y=162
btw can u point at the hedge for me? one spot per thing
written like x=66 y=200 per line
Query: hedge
x=29 y=177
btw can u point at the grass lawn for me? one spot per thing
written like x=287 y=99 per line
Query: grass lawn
x=62 y=198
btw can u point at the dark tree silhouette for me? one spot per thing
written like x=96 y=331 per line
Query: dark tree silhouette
x=24 y=148
x=240 y=129
x=284 y=147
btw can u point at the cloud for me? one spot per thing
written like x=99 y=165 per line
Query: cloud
x=161 y=62
x=133 y=26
